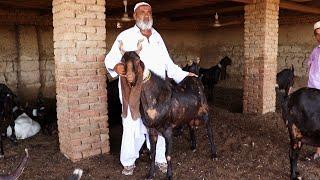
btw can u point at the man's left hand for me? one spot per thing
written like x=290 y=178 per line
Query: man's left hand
x=192 y=74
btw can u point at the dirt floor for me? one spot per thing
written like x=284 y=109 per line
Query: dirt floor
x=249 y=147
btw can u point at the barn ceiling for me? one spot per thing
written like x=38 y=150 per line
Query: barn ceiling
x=179 y=10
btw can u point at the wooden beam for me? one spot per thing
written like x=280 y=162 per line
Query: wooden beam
x=244 y=1
x=206 y=13
x=299 y=7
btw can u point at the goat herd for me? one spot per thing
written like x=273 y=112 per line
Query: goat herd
x=166 y=106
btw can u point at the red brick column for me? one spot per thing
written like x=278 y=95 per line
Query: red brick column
x=260 y=54
x=79 y=48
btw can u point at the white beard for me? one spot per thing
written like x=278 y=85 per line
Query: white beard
x=143 y=25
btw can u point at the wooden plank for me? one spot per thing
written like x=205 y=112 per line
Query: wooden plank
x=299 y=7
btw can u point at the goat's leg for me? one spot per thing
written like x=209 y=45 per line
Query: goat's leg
x=153 y=141
x=192 y=139
x=13 y=137
x=1 y=148
x=294 y=155
x=168 y=138
x=210 y=136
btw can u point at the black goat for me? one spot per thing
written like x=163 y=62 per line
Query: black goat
x=301 y=113
x=18 y=171
x=211 y=76
x=285 y=79
x=164 y=106
x=39 y=111
x=7 y=119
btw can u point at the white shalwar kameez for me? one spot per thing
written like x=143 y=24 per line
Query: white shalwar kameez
x=156 y=58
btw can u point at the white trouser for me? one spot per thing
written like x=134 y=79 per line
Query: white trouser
x=133 y=137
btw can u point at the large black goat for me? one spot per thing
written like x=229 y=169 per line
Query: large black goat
x=301 y=113
x=211 y=76
x=163 y=106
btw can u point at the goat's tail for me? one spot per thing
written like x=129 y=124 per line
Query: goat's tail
x=77 y=173
x=18 y=171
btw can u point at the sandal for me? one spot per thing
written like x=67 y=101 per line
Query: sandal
x=128 y=170
x=162 y=167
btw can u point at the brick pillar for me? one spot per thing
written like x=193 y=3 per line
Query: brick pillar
x=260 y=55
x=79 y=47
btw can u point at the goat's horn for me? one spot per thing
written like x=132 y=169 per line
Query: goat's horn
x=139 y=45
x=121 y=47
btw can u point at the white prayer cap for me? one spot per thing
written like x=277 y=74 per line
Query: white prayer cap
x=316 y=25
x=140 y=4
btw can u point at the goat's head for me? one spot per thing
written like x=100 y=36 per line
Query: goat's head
x=133 y=66
x=40 y=110
x=193 y=66
x=225 y=61
x=131 y=80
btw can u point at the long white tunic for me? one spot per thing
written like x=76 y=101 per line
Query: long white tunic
x=156 y=58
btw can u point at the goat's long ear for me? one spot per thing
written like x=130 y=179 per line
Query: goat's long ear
x=139 y=46
x=190 y=62
x=198 y=60
x=121 y=47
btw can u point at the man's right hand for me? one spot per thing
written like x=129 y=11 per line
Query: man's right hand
x=119 y=69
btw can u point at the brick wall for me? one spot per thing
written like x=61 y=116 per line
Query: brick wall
x=26 y=46
x=79 y=47
x=28 y=60
x=260 y=56
x=8 y=56
x=46 y=60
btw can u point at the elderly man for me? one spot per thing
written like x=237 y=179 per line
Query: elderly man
x=314 y=70
x=155 y=56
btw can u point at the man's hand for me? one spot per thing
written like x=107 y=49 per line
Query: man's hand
x=119 y=69
x=192 y=74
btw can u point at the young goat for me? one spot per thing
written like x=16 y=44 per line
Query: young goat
x=164 y=106
x=211 y=76
x=301 y=114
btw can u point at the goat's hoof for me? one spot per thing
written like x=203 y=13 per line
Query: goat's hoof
x=169 y=178
x=214 y=157
x=1 y=156
x=297 y=178
x=194 y=150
